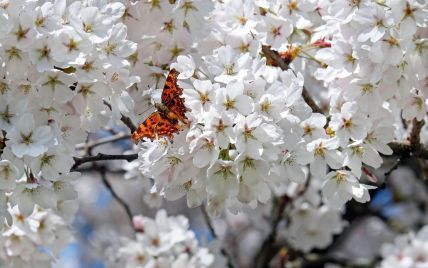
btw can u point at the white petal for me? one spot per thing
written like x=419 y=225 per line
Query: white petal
x=318 y=167
x=26 y=123
x=355 y=164
x=202 y=158
x=263 y=192
x=244 y=104
x=194 y=198
x=334 y=159
x=254 y=149
x=372 y=158
x=295 y=173
x=358 y=133
x=42 y=134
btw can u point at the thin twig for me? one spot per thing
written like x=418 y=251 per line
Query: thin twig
x=310 y=101
x=273 y=55
x=394 y=167
x=113 y=138
x=211 y=228
x=126 y=120
x=91 y=169
x=208 y=221
x=110 y=188
x=101 y=157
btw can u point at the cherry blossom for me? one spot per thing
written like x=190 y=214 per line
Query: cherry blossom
x=344 y=83
x=162 y=242
x=55 y=56
x=26 y=138
x=408 y=250
x=341 y=186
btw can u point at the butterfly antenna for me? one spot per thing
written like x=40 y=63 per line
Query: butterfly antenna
x=148 y=109
x=150 y=103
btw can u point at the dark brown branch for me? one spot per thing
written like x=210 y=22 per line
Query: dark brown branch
x=308 y=99
x=101 y=157
x=109 y=187
x=126 y=120
x=412 y=147
x=211 y=228
x=269 y=248
x=415 y=135
x=400 y=148
x=321 y=261
x=406 y=150
x=274 y=56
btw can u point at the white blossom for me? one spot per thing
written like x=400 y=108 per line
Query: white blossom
x=164 y=242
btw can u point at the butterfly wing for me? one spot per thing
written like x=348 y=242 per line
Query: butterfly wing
x=155 y=126
x=160 y=124
x=171 y=96
x=147 y=128
x=167 y=127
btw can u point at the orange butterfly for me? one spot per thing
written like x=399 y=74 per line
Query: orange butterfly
x=170 y=112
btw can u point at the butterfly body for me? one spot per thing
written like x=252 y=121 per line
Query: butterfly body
x=169 y=116
x=164 y=111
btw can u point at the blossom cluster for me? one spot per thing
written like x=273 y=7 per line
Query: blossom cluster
x=375 y=73
x=69 y=68
x=312 y=224
x=251 y=130
x=61 y=64
x=160 y=242
x=235 y=141
x=377 y=56
x=409 y=250
x=163 y=31
x=30 y=241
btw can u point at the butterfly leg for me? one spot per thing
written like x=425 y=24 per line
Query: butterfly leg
x=156 y=132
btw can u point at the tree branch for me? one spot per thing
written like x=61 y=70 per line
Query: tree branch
x=101 y=141
x=274 y=56
x=308 y=99
x=101 y=157
x=413 y=146
x=211 y=228
x=400 y=148
x=268 y=249
x=321 y=261
x=415 y=135
x=208 y=221
x=126 y=120
x=109 y=187
x=393 y=168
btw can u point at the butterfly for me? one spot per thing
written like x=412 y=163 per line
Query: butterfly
x=169 y=115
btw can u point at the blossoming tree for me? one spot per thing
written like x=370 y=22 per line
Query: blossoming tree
x=288 y=113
